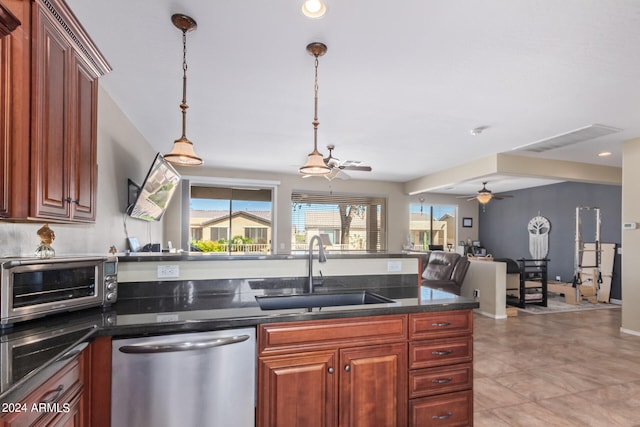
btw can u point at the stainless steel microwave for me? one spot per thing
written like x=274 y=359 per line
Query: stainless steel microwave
x=33 y=287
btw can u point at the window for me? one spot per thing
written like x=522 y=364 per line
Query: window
x=344 y=222
x=224 y=219
x=432 y=226
x=196 y=233
x=218 y=233
x=257 y=234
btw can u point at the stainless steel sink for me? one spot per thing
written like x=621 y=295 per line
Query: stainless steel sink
x=283 y=302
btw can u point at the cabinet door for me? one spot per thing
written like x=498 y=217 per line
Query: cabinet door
x=297 y=390
x=83 y=160
x=50 y=119
x=373 y=386
x=5 y=123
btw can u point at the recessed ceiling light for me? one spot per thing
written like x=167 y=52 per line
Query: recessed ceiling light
x=313 y=8
x=604 y=154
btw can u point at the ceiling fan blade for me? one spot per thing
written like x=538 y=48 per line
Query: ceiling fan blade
x=356 y=168
x=334 y=173
x=503 y=196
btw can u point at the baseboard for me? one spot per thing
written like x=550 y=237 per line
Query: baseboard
x=493 y=316
x=615 y=301
x=630 y=332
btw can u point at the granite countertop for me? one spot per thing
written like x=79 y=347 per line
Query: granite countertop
x=34 y=350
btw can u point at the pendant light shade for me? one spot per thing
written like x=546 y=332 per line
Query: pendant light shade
x=183 y=153
x=315 y=161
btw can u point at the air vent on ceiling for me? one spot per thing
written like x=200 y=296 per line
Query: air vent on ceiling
x=569 y=138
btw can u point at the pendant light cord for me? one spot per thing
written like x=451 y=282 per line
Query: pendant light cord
x=183 y=105
x=315 y=107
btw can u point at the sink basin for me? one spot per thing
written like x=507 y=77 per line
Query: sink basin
x=283 y=302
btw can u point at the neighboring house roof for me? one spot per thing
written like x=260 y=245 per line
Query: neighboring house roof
x=212 y=217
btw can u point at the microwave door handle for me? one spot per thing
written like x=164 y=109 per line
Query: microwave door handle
x=181 y=346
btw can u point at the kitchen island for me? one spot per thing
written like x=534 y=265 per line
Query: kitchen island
x=150 y=308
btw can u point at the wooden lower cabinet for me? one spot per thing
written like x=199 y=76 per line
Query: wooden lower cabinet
x=299 y=389
x=61 y=401
x=333 y=373
x=373 y=386
x=446 y=410
x=441 y=369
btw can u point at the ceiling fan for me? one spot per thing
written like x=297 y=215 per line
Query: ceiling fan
x=338 y=167
x=484 y=195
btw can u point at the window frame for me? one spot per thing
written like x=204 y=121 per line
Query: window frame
x=236 y=183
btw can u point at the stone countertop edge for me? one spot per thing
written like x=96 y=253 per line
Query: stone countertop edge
x=278 y=316
x=201 y=256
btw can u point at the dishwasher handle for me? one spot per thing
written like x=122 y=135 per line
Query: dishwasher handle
x=181 y=346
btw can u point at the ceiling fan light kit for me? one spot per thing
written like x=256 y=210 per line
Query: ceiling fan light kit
x=183 y=153
x=315 y=161
x=484 y=196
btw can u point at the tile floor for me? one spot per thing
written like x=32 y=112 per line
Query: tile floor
x=565 y=369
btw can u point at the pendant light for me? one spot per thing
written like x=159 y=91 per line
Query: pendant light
x=182 y=153
x=315 y=161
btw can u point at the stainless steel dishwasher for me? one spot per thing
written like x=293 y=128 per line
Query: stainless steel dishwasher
x=185 y=380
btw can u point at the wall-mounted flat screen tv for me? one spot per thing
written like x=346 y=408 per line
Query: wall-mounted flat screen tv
x=155 y=193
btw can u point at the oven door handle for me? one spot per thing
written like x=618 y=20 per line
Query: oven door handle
x=181 y=346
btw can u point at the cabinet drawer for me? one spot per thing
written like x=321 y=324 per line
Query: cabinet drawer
x=452 y=409
x=283 y=337
x=429 y=353
x=427 y=382
x=440 y=324
x=56 y=389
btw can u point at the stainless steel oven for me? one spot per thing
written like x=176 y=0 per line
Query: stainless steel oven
x=33 y=287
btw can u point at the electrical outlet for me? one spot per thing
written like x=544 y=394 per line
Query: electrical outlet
x=394 y=266
x=558 y=279
x=476 y=293
x=168 y=271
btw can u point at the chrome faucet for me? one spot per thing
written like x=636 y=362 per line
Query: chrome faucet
x=321 y=258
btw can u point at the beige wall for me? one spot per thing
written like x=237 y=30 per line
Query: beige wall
x=490 y=278
x=122 y=153
x=397 y=201
x=630 y=238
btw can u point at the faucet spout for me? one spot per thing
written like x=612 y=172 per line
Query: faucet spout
x=322 y=257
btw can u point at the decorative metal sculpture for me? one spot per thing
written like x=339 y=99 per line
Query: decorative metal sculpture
x=539 y=228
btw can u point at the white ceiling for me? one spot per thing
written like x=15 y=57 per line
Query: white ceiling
x=401 y=86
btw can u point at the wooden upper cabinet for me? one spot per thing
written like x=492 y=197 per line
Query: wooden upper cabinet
x=51 y=143
x=53 y=152
x=8 y=21
x=15 y=54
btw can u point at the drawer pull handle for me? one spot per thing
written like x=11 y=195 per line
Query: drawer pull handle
x=442 y=353
x=442 y=380
x=56 y=394
x=347 y=368
x=442 y=417
x=330 y=370
x=441 y=325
